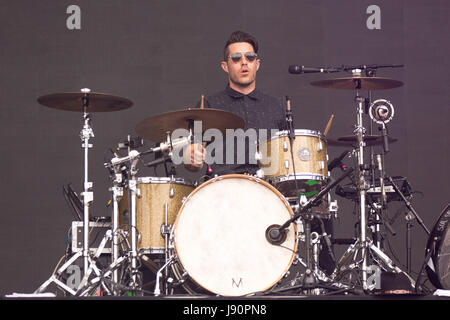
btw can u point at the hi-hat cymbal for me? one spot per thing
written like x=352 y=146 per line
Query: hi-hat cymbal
x=73 y=101
x=155 y=128
x=352 y=141
x=358 y=83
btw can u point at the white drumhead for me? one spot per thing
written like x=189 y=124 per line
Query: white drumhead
x=220 y=238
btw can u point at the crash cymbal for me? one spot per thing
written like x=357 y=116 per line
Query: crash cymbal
x=358 y=83
x=346 y=141
x=155 y=128
x=72 y=101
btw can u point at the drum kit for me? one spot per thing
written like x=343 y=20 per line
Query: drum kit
x=236 y=234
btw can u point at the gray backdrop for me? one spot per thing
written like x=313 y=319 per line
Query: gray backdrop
x=163 y=55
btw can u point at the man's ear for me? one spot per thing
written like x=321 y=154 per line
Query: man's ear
x=224 y=66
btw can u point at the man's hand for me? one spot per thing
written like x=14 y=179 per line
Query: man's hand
x=194 y=157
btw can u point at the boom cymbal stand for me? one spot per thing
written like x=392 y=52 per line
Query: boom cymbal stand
x=364 y=244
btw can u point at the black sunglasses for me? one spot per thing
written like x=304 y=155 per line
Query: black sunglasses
x=237 y=56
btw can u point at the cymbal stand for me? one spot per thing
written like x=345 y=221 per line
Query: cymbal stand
x=363 y=243
x=85 y=134
x=88 y=196
x=360 y=131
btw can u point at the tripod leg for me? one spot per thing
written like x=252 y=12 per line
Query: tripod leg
x=54 y=277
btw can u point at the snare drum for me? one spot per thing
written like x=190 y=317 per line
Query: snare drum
x=219 y=237
x=310 y=161
x=155 y=192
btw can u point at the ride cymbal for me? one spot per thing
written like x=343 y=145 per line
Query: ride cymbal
x=155 y=128
x=358 y=83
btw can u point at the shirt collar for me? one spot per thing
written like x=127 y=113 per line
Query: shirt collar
x=255 y=94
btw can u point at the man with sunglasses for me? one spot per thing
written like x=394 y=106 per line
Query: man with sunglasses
x=259 y=110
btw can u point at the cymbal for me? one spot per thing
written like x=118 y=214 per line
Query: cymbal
x=352 y=141
x=72 y=101
x=155 y=128
x=358 y=83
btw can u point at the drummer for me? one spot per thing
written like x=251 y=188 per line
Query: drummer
x=241 y=62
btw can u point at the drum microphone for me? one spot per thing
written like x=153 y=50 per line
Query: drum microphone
x=382 y=112
x=380 y=169
x=131 y=156
x=275 y=235
x=289 y=120
x=174 y=144
x=337 y=161
x=295 y=69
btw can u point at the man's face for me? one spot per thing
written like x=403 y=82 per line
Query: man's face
x=242 y=73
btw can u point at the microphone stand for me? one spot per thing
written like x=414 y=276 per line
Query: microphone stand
x=314 y=200
x=409 y=206
x=276 y=234
x=291 y=134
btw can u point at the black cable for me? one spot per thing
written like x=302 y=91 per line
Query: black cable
x=69 y=201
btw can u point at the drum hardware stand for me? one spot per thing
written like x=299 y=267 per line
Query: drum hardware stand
x=363 y=243
x=55 y=277
x=117 y=191
x=134 y=193
x=88 y=196
x=275 y=234
x=409 y=220
x=92 y=264
x=92 y=267
x=165 y=232
x=157 y=290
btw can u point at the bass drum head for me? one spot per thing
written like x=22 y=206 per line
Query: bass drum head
x=219 y=236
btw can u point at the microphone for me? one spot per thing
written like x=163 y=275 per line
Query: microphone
x=380 y=169
x=289 y=117
x=382 y=111
x=176 y=143
x=337 y=161
x=288 y=106
x=133 y=154
x=275 y=235
x=295 y=69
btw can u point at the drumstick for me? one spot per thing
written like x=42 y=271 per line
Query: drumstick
x=327 y=128
x=202 y=103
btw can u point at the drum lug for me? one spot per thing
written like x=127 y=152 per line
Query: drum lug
x=260 y=174
x=319 y=146
x=321 y=165
x=285 y=146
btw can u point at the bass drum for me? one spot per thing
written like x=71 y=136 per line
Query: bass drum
x=219 y=239
x=438 y=248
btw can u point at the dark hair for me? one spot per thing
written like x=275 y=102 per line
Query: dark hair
x=239 y=36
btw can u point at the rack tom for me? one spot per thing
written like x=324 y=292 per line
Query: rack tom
x=308 y=170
